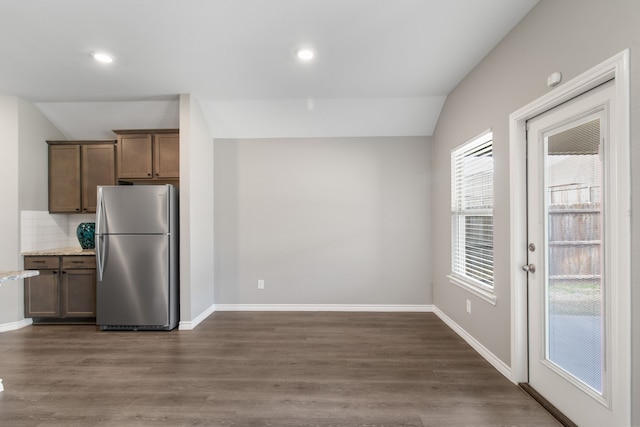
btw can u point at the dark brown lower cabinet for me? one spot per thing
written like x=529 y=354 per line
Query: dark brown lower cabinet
x=65 y=288
x=78 y=293
x=42 y=295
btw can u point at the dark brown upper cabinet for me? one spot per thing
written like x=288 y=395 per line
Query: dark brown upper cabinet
x=76 y=168
x=149 y=154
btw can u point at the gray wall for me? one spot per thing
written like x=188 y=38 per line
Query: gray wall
x=34 y=130
x=10 y=292
x=196 y=212
x=569 y=36
x=23 y=131
x=323 y=220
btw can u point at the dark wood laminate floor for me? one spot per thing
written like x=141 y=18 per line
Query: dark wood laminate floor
x=259 y=369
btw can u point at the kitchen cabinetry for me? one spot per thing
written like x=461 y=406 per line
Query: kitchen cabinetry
x=65 y=288
x=76 y=168
x=42 y=292
x=144 y=155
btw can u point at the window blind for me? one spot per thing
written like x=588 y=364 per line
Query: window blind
x=472 y=211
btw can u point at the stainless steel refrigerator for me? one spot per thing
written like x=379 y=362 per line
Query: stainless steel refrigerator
x=136 y=257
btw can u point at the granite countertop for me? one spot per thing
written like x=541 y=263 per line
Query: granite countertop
x=61 y=251
x=5 y=276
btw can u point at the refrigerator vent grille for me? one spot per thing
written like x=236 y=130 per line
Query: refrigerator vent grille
x=135 y=328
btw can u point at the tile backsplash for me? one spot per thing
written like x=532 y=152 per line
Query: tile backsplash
x=40 y=230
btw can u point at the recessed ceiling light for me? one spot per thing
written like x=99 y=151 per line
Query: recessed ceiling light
x=305 y=54
x=102 y=57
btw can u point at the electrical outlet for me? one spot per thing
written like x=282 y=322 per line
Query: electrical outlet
x=468 y=306
x=260 y=284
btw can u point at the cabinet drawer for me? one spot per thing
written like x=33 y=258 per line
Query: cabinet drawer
x=82 y=261
x=41 y=262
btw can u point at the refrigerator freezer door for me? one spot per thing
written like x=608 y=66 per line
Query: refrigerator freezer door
x=134 y=291
x=135 y=209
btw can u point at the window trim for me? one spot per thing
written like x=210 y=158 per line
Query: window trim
x=475 y=288
x=468 y=283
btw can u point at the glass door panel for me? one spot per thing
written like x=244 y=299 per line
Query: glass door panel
x=574 y=287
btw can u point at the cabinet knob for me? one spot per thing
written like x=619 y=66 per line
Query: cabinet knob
x=77 y=209
x=148 y=174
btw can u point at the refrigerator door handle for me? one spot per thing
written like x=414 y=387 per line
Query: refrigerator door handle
x=99 y=212
x=168 y=187
x=100 y=257
x=99 y=236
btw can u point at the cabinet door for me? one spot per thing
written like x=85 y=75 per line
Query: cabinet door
x=166 y=155
x=78 y=293
x=64 y=178
x=135 y=154
x=98 y=168
x=42 y=295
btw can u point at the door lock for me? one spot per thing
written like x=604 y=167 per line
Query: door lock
x=529 y=268
x=532 y=247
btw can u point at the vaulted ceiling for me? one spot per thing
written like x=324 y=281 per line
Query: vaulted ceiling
x=382 y=67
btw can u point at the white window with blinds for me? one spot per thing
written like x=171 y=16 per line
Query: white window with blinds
x=472 y=216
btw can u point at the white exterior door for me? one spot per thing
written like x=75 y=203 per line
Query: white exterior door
x=571 y=264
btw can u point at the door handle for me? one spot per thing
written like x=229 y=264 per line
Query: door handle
x=100 y=253
x=529 y=268
x=98 y=235
x=99 y=212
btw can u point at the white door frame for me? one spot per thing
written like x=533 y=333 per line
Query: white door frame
x=616 y=68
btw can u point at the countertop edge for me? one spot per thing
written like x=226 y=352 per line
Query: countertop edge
x=6 y=276
x=74 y=251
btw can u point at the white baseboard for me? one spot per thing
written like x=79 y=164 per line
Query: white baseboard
x=5 y=327
x=191 y=324
x=427 y=308
x=502 y=367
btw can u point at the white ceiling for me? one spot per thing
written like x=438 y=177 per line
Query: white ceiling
x=383 y=67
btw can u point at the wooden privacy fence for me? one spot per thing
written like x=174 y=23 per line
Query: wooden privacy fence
x=575 y=234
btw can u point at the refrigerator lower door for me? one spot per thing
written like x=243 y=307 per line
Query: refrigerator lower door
x=134 y=292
